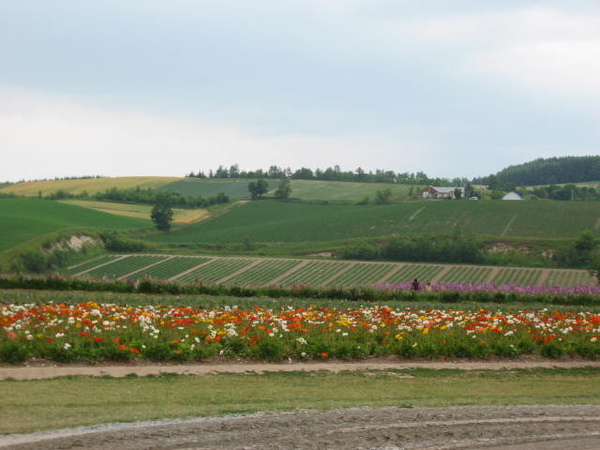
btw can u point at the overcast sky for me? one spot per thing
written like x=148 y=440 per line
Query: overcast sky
x=163 y=87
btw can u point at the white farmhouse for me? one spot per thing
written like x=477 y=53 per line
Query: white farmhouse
x=441 y=192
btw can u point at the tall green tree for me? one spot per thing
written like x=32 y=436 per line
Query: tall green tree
x=284 y=189
x=162 y=216
x=258 y=188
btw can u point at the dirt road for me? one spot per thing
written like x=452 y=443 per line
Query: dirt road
x=44 y=369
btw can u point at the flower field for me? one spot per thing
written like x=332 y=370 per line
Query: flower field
x=92 y=331
x=289 y=272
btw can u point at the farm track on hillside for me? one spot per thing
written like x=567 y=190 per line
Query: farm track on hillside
x=252 y=271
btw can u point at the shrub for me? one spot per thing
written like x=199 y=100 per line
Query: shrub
x=13 y=352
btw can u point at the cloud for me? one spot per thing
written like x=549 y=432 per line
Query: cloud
x=545 y=49
x=51 y=136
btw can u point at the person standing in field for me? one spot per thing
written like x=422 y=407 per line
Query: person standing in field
x=415 y=285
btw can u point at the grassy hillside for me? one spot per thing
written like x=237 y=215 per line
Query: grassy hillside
x=343 y=191
x=272 y=221
x=91 y=185
x=332 y=191
x=22 y=220
x=194 y=187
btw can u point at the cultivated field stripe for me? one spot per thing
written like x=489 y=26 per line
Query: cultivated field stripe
x=185 y=272
x=390 y=273
x=118 y=258
x=242 y=270
x=441 y=274
x=507 y=227
x=289 y=272
x=340 y=273
x=492 y=275
x=124 y=277
x=416 y=213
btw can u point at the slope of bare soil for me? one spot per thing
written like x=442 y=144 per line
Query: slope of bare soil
x=514 y=428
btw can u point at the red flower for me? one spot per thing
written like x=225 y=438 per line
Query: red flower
x=98 y=339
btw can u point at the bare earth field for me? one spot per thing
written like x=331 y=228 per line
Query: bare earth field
x=513 y=428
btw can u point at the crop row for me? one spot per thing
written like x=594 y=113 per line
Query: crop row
x=285 y=272
x=465 y=274
x=314 y=273
x=214 y=271
x=125 y=266
x=264 y=272
x=89 y=264
x=523 y=277
x=424 y=272
x=169 y=268
x=569 y=278
x=362 y=274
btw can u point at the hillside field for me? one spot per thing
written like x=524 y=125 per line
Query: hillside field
x=331 y=191
x=288 y=222
x=138 y=211
x=79 y=185
x=24 y=219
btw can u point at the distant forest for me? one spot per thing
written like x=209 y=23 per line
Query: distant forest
x=547 y=171
x=330 y=174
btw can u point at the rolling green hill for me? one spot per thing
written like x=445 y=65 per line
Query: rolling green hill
x=272 y=221
x=79 y=185
x=23 y=219
x=331 y=191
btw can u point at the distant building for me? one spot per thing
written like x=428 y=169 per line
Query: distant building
x=438 y=192
x=512 y=196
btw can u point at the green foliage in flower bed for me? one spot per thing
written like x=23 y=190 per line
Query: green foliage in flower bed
x=94 y=332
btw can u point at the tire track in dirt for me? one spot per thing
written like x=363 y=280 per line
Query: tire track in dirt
x=512 y=428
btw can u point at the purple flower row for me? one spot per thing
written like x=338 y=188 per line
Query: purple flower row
x=491 y=287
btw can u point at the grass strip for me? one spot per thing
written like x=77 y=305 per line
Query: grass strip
x=83 y=401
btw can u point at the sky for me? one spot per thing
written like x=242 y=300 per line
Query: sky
x=452 y=88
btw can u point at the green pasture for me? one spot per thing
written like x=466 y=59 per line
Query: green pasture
x=25 y=219
x=194 y=187
x=69 y=402
x=340 y=191
x=289 y=272
x=270 y=221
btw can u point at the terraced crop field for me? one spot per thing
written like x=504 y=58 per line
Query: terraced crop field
x=169 y=268
x=465 y=274
x=123 y=267
x=517 y=276
x=569 y=278
x=408 y=272
x=287 y=272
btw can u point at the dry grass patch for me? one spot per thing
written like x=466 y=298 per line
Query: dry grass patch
x=139 y=211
